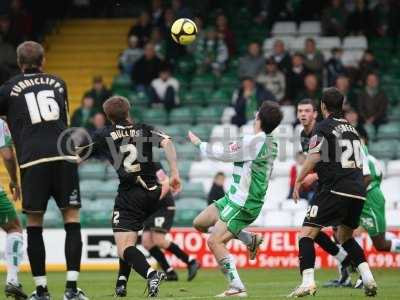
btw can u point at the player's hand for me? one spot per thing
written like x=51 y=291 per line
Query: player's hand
x=309 y=180
x=15 y=190
x=296 y=191
x=175 y=183
x=194 y=139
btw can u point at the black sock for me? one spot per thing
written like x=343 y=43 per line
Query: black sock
x=306 y=254
x=178 y=252
x=324 y=241
x=37 y=254
x=125 y=271
x=354 y=251
x=160 y=258
x=73 y=250
x=137 y=260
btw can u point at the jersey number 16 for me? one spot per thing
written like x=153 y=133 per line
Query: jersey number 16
x=42 y=106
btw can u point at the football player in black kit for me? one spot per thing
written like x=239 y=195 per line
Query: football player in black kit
x=153 y=238
x=128 y=147
x=335 y=154
x=36 y=107
x=307 y=116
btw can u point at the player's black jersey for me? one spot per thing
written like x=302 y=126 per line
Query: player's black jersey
x=340 y=168
x=305 y=140
x=128 y=148
x=168 y=200
x=36 y=107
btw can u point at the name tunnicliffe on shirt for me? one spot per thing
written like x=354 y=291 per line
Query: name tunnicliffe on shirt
x=20 y=86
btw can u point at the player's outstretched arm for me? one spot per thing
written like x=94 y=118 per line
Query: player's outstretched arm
x=170 y=154
x=309 y=165
x=7 y=154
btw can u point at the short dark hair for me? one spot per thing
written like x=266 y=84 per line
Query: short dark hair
x=117 y=109
x=30 y=54
x=270 y=115
x=219 y=174
x=307 y=101
x=333 y=100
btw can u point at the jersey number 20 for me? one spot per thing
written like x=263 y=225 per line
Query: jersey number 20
x=42 y=106
x=351 y=148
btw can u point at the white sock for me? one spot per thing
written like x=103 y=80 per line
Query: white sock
x=395 y=247
x=342 y=254
x=72 y=275
x=365 y=272
x=245 y=237
x=13 y=256
x=40 y=280
x=123 y=278
x=308 y=277
x=149 y=271
x=228 y=267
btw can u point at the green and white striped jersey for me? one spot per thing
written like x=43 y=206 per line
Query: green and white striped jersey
x=253 y=158
x=372 y=168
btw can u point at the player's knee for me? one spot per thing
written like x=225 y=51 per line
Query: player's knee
x=12 y=226
x=213 y=241
x=147 y=243
x=198 y=225
x=71 y=215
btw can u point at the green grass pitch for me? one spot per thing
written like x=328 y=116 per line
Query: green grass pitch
x=261 y=284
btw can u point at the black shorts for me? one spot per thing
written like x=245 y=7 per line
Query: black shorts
x=328 y=209
x=162 y=220
x=58 y=179
x=132 y=207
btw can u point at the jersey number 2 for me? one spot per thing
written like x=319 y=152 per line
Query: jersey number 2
x=42 y=106
x=129 y=160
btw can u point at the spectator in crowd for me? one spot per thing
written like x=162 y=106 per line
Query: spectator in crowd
x=223 y=29
x=373 y=102
x=295 y=77
x=334 y=19
x=251 y=64
x=8 y=60
x=180 y=11
x=130 y=55
x=159 y=42
x=334 y=66
x=83 y=115
x=354 y=119
x=306 y=192
x=281 y=56
x=211 y=53
x=146 y=68
x=311 y=89
x=98 y=121
x=368 y=64
x=359 y=21
x=343 y=85
x=99 y=92
x=157 y=12
x=273 y=79
x=217 y=189
x=164 y=90
x=381 y=16
x=20 y=23
x=142 y=29
x=313 y=58
x=247 y=99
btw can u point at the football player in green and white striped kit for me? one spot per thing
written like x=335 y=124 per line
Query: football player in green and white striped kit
x=8 y=218
x=253 y=157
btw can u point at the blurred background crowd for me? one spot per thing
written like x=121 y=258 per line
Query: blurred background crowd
x=246 y=52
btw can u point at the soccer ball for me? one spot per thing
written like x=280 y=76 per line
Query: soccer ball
x=184 y=31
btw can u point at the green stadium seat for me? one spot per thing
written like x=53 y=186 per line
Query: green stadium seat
x=228 y=81
x=121 y=82
x=88 y=187
x=182 y=115
x=187 y=209
x=183 y=166
x=138 y=99
x=203 y=131
x=394 y=113
x=185 y=66
x=95 y=219
x=192 y=189
x=101 y=204
x=203 y=81
x=187 y=152
x=110 y=173
x=389 y=131
x=190 y=98
x=384 y=149
x=220 y=97
x=371 y=132
x=210 y=115
x=177 y=132
x=107 y=189
x=53 y=219
x=155 y=116
x=92 y=170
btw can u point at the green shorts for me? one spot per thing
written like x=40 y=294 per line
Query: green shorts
x=373 y=214
x=7 y=210
x=235 y=216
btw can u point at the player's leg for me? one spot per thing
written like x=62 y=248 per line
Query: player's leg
x=14 y=249
x=122 y=279
x=206 y=219
x=216 y=242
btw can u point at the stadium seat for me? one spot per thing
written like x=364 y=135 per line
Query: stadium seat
x=282 y=168
x=187 y=209
x=355 y=42
x=92 y=170
x=389 y=131
x=278 y=190
x=351 y=58
x=247 y=129
x=391 y=187
x=192 y=190
x=100 y=204
x=187 y=151
x=88 y=187
x=190 y=98
x=110 y=172
x=121 y=82
x=284 y=28
x=204 y=81
x=138 y=99
x=203 y=131
x=210 y=115
x=298 y=43
x=220 y=97
x=287 y=149
x=155 y=116
x=393 y=168
x=182 y=115
x=107 y=189
x=370 y=128
x=392 y=217
x=283 y=131
x=224 y=133
x=384 y=149
x=269 y=43
x=176 y=131
x=327 y=43
x=53 y=219
x=277 y=219
x=310 y=28
x=290 y=205
x=298 y=218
